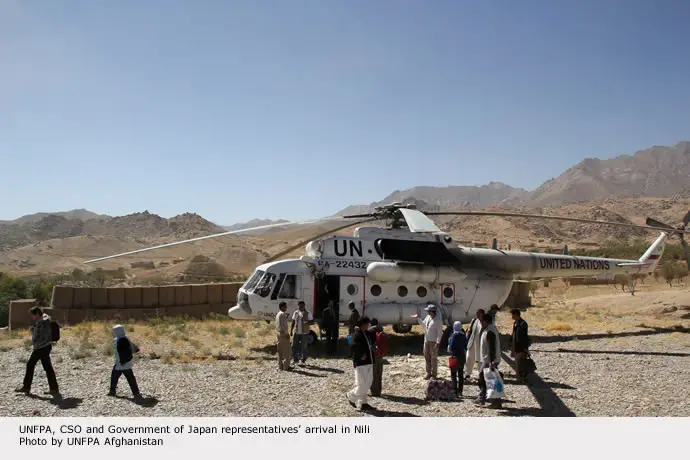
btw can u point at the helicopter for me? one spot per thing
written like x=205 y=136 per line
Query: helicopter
x=391 y=272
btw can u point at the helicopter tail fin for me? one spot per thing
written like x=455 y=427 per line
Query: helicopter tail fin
x=652 y=256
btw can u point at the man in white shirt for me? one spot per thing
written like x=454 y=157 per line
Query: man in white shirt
x=301 y=320
x=283 y=338
x=433 y=331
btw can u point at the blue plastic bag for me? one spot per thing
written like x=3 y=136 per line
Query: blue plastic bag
x=349 y=339
x=494 y=384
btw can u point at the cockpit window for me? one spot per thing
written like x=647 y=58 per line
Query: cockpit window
x=251 y=282
x=291 y=287
x=265 y=285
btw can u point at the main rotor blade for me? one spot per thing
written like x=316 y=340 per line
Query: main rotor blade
x=541 y=216
x=655 y=223
x=312 y=238
x=216 y=235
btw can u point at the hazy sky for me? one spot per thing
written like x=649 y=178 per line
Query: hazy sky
x=295 y=109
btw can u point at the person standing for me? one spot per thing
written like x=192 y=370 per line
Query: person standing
x=380 y=340
x=362 y=359
x=457 y=349
x=329 y=324
x=42 y=342
x=353 y=320
x=490 y=355
x=283 y=338
x=519 y=343
x=433 y=330
x=124 y=357
x=473 y=333
x=299 y=329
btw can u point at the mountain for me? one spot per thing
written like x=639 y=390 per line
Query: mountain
x=74 y=214
x=142 y=227
x=450 y=197
x=657 y=171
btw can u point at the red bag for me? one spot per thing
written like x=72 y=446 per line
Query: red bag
x=453 y=362
x=381 y=344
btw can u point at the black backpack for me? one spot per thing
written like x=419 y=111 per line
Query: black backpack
x=54 y=331
x=124 y=350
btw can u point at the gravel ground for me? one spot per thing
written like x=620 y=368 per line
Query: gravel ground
x=642 y=372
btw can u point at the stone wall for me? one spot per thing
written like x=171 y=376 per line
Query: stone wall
x=72 y=305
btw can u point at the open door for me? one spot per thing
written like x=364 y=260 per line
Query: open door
x=351 y=290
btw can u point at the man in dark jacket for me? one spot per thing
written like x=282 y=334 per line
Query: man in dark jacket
x=42 y=340
x=379 y=339
x=329 y=324
x=363 y=359
x=519 y=343
x=354 y=318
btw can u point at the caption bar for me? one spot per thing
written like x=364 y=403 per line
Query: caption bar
x=121 y=435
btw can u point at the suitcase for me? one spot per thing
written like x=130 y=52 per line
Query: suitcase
x=439 y=390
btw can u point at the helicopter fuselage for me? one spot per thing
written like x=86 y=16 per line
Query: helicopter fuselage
x=391 y=274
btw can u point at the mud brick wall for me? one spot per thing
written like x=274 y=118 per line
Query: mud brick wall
x=71 y=305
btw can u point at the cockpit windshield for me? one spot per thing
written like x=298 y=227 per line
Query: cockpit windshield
x=251 y=282
x=265 y=285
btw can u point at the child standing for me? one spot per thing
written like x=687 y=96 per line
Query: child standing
x=124 y=356
x=457 y=349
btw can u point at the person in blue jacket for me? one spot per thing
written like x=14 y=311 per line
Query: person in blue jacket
x=457 y=348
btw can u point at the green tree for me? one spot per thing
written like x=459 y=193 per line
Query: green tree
x=668 y=271
x=11 y=288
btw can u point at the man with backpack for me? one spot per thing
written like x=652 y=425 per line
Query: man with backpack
x=380 y=339
x=44 y=333
x=124 y=356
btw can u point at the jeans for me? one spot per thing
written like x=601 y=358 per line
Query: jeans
x=457 y=380
x=377 y=382
x=129 y=375
x=43 y=355
x=300 y=342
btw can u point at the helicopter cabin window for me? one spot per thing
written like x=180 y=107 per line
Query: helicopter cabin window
x=251 y=282
x=448 y=292
x=402 y=291
x=292 y=286
x=375 y=290
x=264 y=287
x=421 y=291
x=274 y=292
x=352 y=289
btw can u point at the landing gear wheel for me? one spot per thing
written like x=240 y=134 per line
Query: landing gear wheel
x=312 y=338
x=402 y=328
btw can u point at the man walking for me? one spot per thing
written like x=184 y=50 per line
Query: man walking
x=329 y=324
x=433 y=330
x=42 y=341
x=362 y=358
x=490 y=356
x=519 y=343
x=380 y=341
x=283 y=338
x=299 y=329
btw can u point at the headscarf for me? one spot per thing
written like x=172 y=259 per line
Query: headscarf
x=119 y=331
x=457 y=326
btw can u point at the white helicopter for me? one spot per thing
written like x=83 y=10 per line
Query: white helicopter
x=391 y=272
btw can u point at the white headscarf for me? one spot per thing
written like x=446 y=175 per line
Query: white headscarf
x=457 y=326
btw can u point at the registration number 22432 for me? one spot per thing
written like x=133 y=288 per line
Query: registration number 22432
x=350 y=264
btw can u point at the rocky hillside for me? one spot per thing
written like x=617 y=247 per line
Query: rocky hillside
x=140 y=227
x=74 y=214
x=654 y=172
x=657 y=171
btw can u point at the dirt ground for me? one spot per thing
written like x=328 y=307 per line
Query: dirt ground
x=599 y=352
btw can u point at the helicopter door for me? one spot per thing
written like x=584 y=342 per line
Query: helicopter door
x=351 y=290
